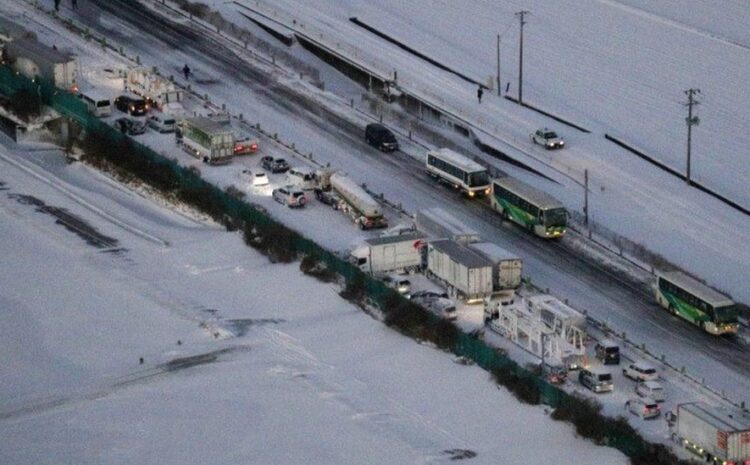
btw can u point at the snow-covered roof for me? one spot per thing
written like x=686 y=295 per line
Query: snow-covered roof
x=208 y=125
x=461 y=254
x=721 y=418
x=697 y=288
x=458 y=160
x=529 y=193
x=493 y=251
x=394 y=239
x=38 y=52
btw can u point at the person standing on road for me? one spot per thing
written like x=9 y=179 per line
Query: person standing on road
x=186 y=72
x=57 y=5
x=480 y=92
x=74 y=4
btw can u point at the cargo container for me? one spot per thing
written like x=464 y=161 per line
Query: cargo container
x=207 y=140
x=439 y=224
x=714 y=433
x=383 y=255
x=506 y=268
x=467 y=273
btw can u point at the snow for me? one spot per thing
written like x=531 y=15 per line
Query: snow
x=276 y=386
x=627 y=195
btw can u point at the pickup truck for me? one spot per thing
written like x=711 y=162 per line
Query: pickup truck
x=547 y=138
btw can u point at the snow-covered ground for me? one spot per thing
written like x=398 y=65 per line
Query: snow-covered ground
x=237 y=369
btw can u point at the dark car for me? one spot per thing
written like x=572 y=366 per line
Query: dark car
x=381 y=137
x=135 y=106
x=274 y=165
x=130 y=127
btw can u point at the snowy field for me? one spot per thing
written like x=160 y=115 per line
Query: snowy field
x=259 y=375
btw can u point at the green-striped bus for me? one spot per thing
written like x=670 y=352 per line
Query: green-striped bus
x=533 y=209
x=697 y=303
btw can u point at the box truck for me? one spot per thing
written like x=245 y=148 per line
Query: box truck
x=466 y=273
x=383 y=255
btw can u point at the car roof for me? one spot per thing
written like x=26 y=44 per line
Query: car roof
x=642 y=364
x=653 y=385
x=608 y=343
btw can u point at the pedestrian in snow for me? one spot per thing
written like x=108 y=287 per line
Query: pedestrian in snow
x=74 y=3
x=186 y=72
x=57 y=5
x=480 y=92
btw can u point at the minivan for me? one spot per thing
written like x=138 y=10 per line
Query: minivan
x=608 y=352
x=597 y=381
x=98 y=106
x=652 y=389
x=304 y=178
x=380 y=137
x=162 y=123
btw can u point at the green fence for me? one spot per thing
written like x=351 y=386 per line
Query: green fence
x=487 y=357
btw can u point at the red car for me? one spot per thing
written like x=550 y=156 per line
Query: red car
x=245 y=146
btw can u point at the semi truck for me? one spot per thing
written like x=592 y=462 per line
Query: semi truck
x=716 y=434
x=440 y=224
x=466 y=273
x=506 y=266
x=157 y=90
x=342 y=193
x=382 y=255
x=206 y=140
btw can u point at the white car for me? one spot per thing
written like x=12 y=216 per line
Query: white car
x=291 y=196
x=162 y=123
x=548 y=138
x=400 y=283
x=652 y=389
x=644 y=407
x=640 y=371
x=255 y=179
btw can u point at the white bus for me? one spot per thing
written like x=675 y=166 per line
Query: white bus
x=98 y=102
x=464 y=174
x=531 y=208
x=697 y=303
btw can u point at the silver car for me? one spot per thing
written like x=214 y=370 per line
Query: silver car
x=291 y=196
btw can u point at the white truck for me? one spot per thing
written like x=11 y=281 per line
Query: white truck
x=716 y=434
x=206 y=140
x=466 y=273
x=389 y=254
x=342 y=193
x=439 y=224
x=506 y=268
x=157 y=90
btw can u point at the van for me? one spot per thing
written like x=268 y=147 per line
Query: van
x=381 y=137
x=608 y=352
x=97 y=106
x=597 y=381
x=304 y=178
x=641 y=371
x=652 y=389
x=162 y=123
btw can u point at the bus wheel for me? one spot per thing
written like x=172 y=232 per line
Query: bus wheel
x=672 y=310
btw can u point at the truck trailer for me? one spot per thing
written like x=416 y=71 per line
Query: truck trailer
x=439 y=224
x=467 y=273
x=157 y=90
x=506 y=268
x=716 y=434
x=342 y=193
x=389 y=254
x=206 y=140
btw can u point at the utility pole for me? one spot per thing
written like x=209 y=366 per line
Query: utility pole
x=586 y=197
x=691 y=121
x=499 y=86
x=520 y=15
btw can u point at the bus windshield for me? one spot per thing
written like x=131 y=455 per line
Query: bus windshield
x=555 y=217
x=726 y=314
x=479 y=178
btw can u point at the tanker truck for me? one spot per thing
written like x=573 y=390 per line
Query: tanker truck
x=345 y=195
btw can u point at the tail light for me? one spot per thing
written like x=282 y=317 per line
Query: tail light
x=254 y=147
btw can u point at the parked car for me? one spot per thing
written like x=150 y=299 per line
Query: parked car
x=130 y=126
x=640 y=371
x=381 y=137
x=327 y=197
x=597 y=381
x=304 y=178
x=652 y=389
x=135 y=106
x=162 y=123
x=608 y=352
x=256 y=178
x=434 y=302
x=555 y=373
x=290 y=196
x=274 y=165
x=549 y=139
x=400 y=283
x=246 y=146
x=420 y=294
x=644 y=407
